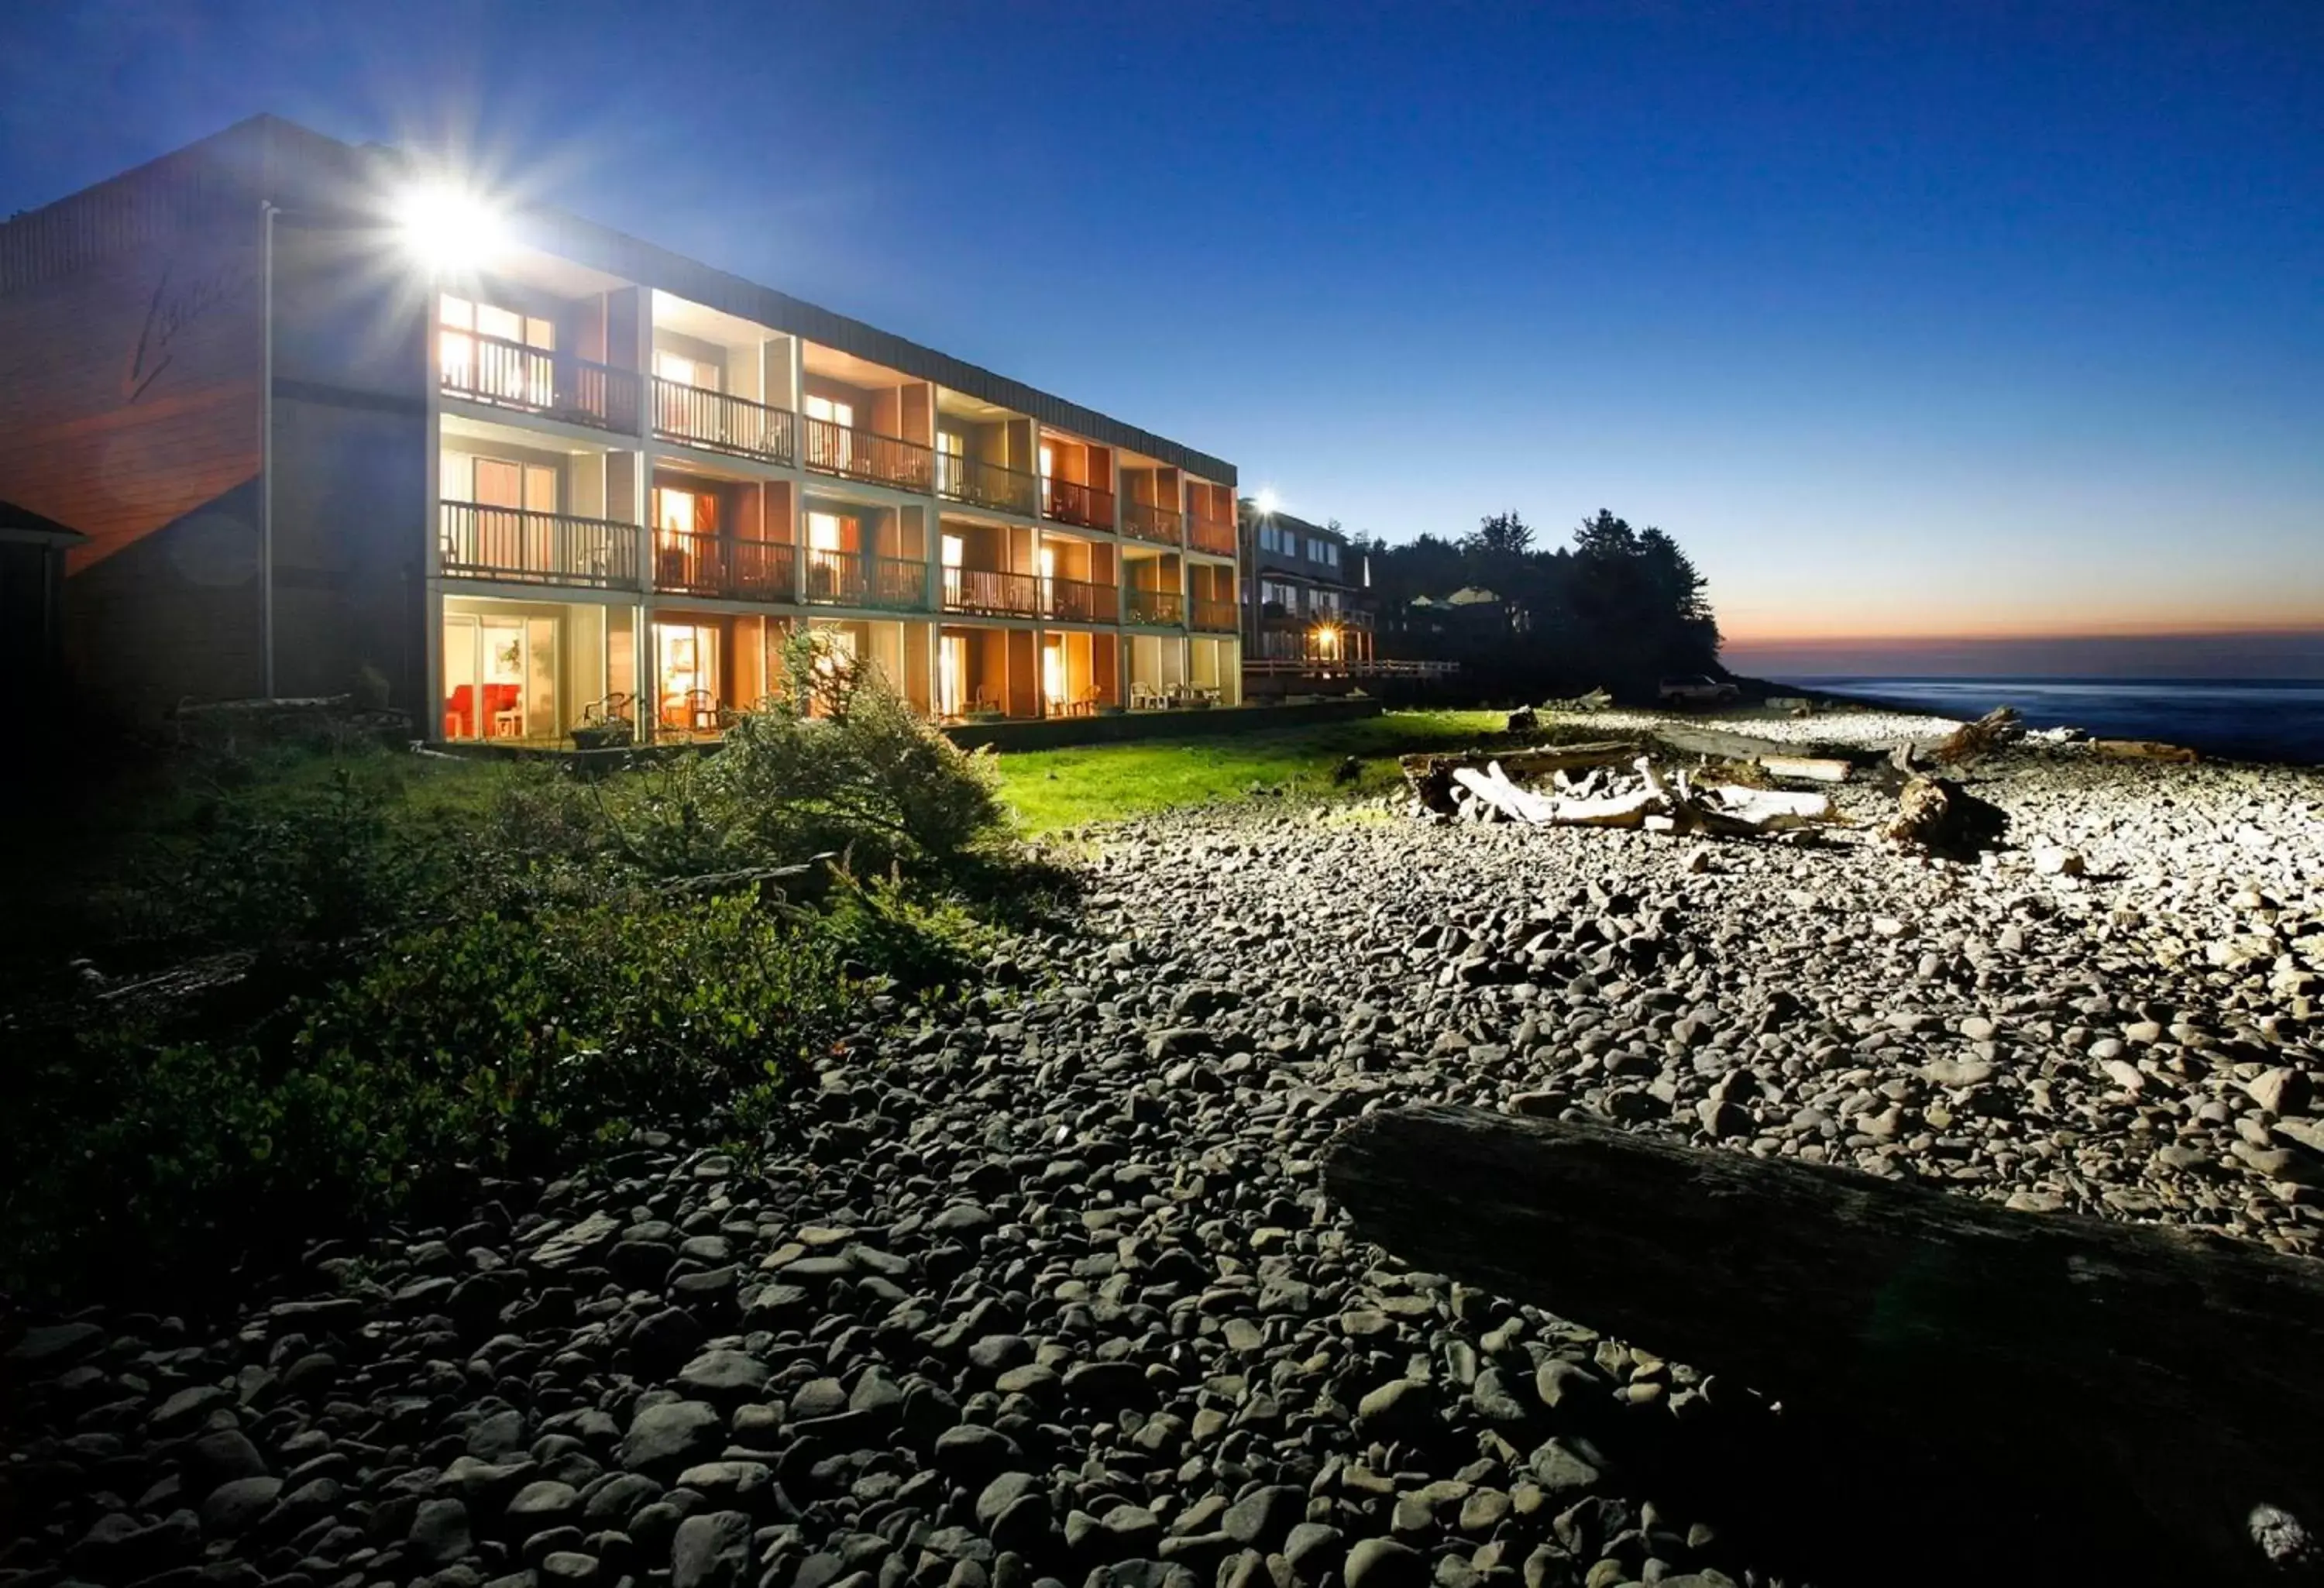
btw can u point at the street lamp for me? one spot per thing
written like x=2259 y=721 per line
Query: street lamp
x=447 y=227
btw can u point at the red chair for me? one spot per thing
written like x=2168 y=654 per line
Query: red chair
x=460 y=715
x=501 y=699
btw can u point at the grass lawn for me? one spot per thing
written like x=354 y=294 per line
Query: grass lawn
x=1050 y=790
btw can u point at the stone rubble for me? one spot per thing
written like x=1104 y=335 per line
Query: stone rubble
x=1045 y=1291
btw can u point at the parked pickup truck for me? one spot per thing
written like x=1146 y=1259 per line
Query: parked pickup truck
x=1697 y=691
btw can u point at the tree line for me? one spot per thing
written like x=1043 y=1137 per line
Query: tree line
x=1620 y=606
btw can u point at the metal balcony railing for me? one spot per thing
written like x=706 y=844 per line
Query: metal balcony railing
x=556 y=385
x=1071 y=503
x=986 y=485
x=1160 y=607
x=707 y=565
x=865 y=455
x=849 y=578
x=1080 y=602
x=481 y=542
x=973 y=589
x=1216 y=536
x=1149 y=522
x=1216 y=617
x=719 y=422
x=761 y=570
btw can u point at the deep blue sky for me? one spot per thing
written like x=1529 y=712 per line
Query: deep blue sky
x=1915 y=318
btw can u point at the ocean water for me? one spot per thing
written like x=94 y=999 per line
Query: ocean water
x=2275 y=720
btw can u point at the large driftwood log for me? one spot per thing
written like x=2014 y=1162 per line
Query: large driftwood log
x=1431 y=776
x=2169 y=1382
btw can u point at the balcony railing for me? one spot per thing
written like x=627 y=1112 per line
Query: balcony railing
x=1078 y=602
x=1217 y=616
x=718 y=423
x=556 y=385
x=1070 y=504
x=480 y=542
x=1216 y=536
x=687 y=563
x=761 y=570
x=1274 y=615
x=863 y=454
x=1154 y=606
x=976 y=589
x=986 y=485
x=849 y=578
x=707 y=565
x=1149 y=522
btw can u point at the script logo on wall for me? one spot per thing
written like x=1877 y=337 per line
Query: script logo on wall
x=182 y=300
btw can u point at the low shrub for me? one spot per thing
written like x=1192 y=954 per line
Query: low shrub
x=838 y=761
x=426 y=970
x=498 y=1044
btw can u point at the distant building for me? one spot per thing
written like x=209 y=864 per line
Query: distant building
x=32 y=607
x=1305 y=592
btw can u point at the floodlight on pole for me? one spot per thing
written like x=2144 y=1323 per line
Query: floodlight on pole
x=449 y=228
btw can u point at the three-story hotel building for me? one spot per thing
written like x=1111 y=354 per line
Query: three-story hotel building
x=314 y=435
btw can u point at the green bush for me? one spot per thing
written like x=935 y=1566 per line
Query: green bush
x=838 y=761
x=450 y=968
x=497 y=1044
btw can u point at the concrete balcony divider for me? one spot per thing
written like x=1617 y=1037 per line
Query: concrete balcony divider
x=514 y=546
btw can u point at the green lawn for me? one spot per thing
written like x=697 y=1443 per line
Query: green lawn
x=1051 y=789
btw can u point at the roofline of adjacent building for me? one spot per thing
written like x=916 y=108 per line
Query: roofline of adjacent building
x=1293 y=522
x=269 y=158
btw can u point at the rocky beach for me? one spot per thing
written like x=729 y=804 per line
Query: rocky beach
x=1044 y=1288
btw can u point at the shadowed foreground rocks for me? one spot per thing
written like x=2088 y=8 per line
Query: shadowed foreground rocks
x=1049 y=1288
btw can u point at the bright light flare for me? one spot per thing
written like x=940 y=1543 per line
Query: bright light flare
x=446 y=227
x=1267 y=502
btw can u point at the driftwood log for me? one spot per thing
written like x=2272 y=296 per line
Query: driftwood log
x=2168 y=1384
x=1431 y=777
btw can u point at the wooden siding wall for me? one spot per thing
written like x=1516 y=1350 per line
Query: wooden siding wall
x=129 y=411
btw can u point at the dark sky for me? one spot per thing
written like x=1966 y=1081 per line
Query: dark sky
x=1924 y=317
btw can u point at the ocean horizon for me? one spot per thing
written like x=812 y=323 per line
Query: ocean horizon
x=2277 y=720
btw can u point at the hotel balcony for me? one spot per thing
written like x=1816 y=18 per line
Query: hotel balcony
x=855 y=454
x=1154 y=608
x=717 y=422
x=518 y=547
x=851 y=578
x=1069 y=502
x=1213 y=535
x=1144 y=521
x=974 y=483
x=502 y=374
x=1215 y=616
x=734 y=570
x=1079 y=601
x=991 y=593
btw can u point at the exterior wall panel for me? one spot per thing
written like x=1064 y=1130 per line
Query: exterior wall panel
x=129 y=411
